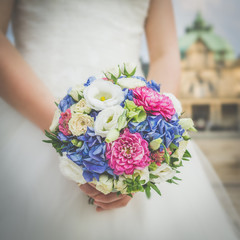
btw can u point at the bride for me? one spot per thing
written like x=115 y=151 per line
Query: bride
x=61 y=43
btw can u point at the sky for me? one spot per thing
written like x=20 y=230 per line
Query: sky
x=223 y=15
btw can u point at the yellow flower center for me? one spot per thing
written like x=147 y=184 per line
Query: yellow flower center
x=103 y=98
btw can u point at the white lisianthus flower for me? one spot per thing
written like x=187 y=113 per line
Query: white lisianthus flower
x=164 y=172
x=105 y=184
x=130 y=83
x=55 y=121
x=120 y=186
x=102 y=94
x=80 y=107
x=187 y=124
x=71 y=170
x=128 y=69
x=77 y=91
x=176 y=103
x=107 y=119
x=181 y=150
x=113 y=72
x=79 y=122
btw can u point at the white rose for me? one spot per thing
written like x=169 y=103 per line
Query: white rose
x=176 y=103
x=102 y=94
x=71 y=170
x=80 y=107
x=114 y=71
x=107 y=119
x=164 y=172
x=130 y=83
x=105 y=184
x=55 y=121
x=76 y=92
x=128 y=69
x=120 y=186
x=79 y=122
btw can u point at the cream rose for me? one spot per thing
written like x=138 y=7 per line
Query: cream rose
x=176 y=103
x=79 y=122
x=104 y=185
x=55 y=121
x=107 y=119
x=71 y=170
x=120 y=186
x=102 y=94
x=164 y=172
x=80 y=107
x=130 y=83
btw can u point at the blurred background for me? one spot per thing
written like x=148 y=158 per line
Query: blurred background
x=209 y=44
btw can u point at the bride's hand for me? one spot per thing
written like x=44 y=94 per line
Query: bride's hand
x=105 y=202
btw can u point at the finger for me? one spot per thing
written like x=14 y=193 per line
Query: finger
x=99 y=209
x=117 y=204
x=89 y=190
x=111 y=197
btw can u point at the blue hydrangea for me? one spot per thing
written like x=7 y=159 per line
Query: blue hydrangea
x=91 y=156
x=128 y=94
x=89 y=81
x=152 y=84
x=66 y=103
x=157 y=127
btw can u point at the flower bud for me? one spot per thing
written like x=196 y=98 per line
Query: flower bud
x=128 y=69
x=155 y=144
x=113 y=73
x=77 y=92
x=112 y=135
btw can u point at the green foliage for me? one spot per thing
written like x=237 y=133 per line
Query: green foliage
x=174 y=179
x=148 y=187
x=134 y=184
x=56 y=143
x=134 y=112
x=153 y=166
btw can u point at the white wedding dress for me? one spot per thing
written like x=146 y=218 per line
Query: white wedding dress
x=65 y=42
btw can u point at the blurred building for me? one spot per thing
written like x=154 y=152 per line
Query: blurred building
x=210 y=80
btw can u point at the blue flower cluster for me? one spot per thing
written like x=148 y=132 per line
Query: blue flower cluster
x=66 y=103
x=91 y=156
x=157 y=127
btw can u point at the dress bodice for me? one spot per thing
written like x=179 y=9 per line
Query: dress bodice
x=67 y=41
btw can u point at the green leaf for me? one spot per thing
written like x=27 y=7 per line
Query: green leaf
x=56 y=104
x=155 y=188
x=152 y=176
x=176 y=178
x=187 y=154
x=148 y=191
x=186 y=138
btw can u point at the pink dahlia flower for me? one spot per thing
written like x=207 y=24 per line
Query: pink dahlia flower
x=128 y=152
x=63 y=122
x=153 y=102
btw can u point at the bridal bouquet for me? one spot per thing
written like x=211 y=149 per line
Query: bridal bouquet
x=120 y=133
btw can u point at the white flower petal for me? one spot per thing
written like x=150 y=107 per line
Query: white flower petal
x=102 y=94
x=176 y=103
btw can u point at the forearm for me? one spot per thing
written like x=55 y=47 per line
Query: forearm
x=22 y=89
x=163 y=46
x=166 y=71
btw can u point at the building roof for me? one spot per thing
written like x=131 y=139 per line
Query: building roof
x=200 y=30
